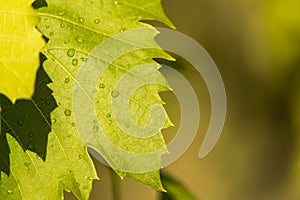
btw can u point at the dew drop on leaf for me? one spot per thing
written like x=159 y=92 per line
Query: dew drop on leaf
x=67 y=112
x=53 y=121
x=62 y=25
x=20 y=122
x=97 y=21
x=30 y=135
x=67 y=80
x=116 y=2
x=66 y=41
x=108 y=115
x=96 y=128
x=62 y=13
x=102 y=86
x=9 y=191
x=79 y=39
x=30 y=147
x=83 y=59
x=51 y=34
x=37 y=157
x=74 y=62
x=26 y=164
x=85 y=187
x=81 y=19
x=115 y=93
x=71 y=52
x=122 y=30
x=71 y=172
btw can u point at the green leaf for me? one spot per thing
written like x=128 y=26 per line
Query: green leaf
x=27 y=120
x=20 y=44
x=67 y=165
x=100 y=58
x=176 y=191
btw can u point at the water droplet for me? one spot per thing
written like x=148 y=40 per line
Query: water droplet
x=64 y=177
x=9 y=191
x=67 y=80
x=62 y=13
x=88 y=178
x=102 y=86
x=83 y=59
x=37 y=157
x=108 y=115
x=67 y=112
x=53 y=121
x=127 y=124
x=74 y=62
x=66 y=41
x=30 y=134
x=71 y=172
x=79 y=39
x=116 y=2
x=85 y=187
x=30 y=147
x=71 y=52
x=80 y=157
x=115 y=93
x=97 y=21
x=51 y=34
x=20 y=122
x=43 y=97
x=122 y=30
x=96 y=128
x=81 y=19
x=62 y=25
x=73 y=124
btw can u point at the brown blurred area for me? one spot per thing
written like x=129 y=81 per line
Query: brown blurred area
x=255 y=44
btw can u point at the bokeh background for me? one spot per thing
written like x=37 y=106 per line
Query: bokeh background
x=256 y=45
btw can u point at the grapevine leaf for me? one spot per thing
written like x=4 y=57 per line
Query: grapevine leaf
x=27 y=120
x=67 y=165
x=100 y=58
x=20 y=44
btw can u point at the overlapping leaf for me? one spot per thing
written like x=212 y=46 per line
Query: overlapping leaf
x=67 y=165
x=20 y=44
x=87 y=35
x=27 y=121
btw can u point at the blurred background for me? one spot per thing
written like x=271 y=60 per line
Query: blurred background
x=256 y=45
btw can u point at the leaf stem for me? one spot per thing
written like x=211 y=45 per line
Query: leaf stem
x=115 y=185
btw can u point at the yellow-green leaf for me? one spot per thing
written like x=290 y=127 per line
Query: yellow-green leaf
x=20 y=44
x=106 y=40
